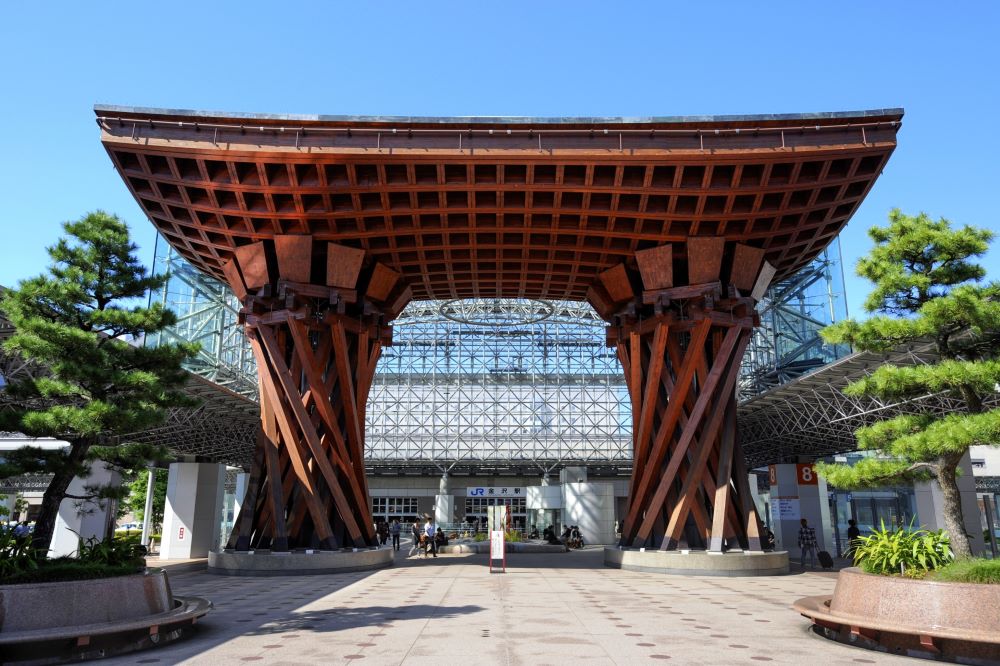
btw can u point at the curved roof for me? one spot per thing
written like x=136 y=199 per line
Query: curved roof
x=499 y=207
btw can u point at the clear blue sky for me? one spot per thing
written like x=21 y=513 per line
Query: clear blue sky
x=938 y=61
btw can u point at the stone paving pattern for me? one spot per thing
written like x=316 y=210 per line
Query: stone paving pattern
x=547 y=609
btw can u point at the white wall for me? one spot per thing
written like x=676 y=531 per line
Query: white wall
x=84 y=520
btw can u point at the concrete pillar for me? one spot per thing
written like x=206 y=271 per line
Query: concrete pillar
x=444 y=503
x=240 y=493
x=193 y=512
x=84 y=520
x=591 y=507
x=798 y=492
x=928 y=499
x=147 y=512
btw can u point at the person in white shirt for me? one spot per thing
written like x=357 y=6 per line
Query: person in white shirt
x=430 y=530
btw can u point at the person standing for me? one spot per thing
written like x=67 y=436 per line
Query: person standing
x=807 y=543
x=394 y=530
x=853 y=534
x=415 y=533
x=430 y=530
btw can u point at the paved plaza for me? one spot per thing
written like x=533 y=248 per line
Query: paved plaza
x=547 y=609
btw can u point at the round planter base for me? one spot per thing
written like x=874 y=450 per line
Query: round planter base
x=297 y=563
x=943 y=621
x=50 y=623
x=483 y=547
x=698 y=562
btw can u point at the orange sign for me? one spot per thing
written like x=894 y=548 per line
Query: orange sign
x=772 y=472
x=806 y=475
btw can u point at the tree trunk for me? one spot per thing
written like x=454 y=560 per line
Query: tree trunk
x=947 y=479
x=45 y=524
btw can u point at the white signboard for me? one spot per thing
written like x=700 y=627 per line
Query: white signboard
x=496 y=545
x=787 y=509
x=494 y=491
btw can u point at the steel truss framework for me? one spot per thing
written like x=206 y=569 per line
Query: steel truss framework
x=811 y=417
x=519 y=383
x=787 y=343
x=207 y=313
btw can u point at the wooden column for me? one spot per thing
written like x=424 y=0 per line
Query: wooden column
x=681 y=346
x=316 y=339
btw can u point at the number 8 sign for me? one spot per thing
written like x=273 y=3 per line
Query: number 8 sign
x=806 y=475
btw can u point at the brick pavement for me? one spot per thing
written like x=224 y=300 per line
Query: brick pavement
x=547 y=609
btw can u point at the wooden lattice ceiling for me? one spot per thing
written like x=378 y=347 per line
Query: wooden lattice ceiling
x=474 y=207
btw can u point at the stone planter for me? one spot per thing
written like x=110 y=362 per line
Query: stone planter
x=949 y=621
x=698 y=562
x=297 y=563
x=53 y=622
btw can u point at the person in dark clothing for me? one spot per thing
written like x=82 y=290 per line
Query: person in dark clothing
x=383 y=533
x=853 y=534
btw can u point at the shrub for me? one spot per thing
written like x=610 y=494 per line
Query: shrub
x=65 y=569
x=513 y=536
x=903 y=551
x=16 y=555
x=112 y=553
x=480 y=536
x=970 y=570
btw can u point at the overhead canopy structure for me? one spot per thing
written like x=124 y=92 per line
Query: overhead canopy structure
x=325 y=227
x=498 y=207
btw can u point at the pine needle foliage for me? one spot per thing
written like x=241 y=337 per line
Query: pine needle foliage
x=80 y=322
x=927 y=287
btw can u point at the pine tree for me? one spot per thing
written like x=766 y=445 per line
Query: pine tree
x=927 y=287
x=81 y=323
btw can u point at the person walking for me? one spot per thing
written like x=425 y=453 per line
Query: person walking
x=394 y=530
x=430 y=530
x=415 y=533
x=807 y=543
x=383 y=532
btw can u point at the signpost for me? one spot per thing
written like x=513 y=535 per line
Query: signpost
x=497 y=522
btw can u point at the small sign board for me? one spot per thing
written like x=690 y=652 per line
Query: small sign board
x=180 y=533
x=497 y=523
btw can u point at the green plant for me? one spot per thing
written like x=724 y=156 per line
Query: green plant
x=903 y=551
x=513 y=536
x=480 y=536
x=926 y=286
x=16 y=555
x=970 y=570
x=110 y=552
x=64 y=569
x=79 y=322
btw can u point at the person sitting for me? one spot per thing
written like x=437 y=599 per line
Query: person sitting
x=550 y=536
x=440 y=538
x=534 y=532
x=574 y=537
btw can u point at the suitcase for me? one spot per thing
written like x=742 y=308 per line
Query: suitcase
x=825 y=560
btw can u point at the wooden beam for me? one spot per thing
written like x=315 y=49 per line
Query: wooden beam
x=729 y=362
x=617 y=284
x=252 y=260
x=704 y=257
x=268 y=384
x=656 y=266
x=382 y=282
x=664 y=432
x=343 y=265
x=284 y=378
x=694 y=420
x=746 y=266
x=294 y=257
